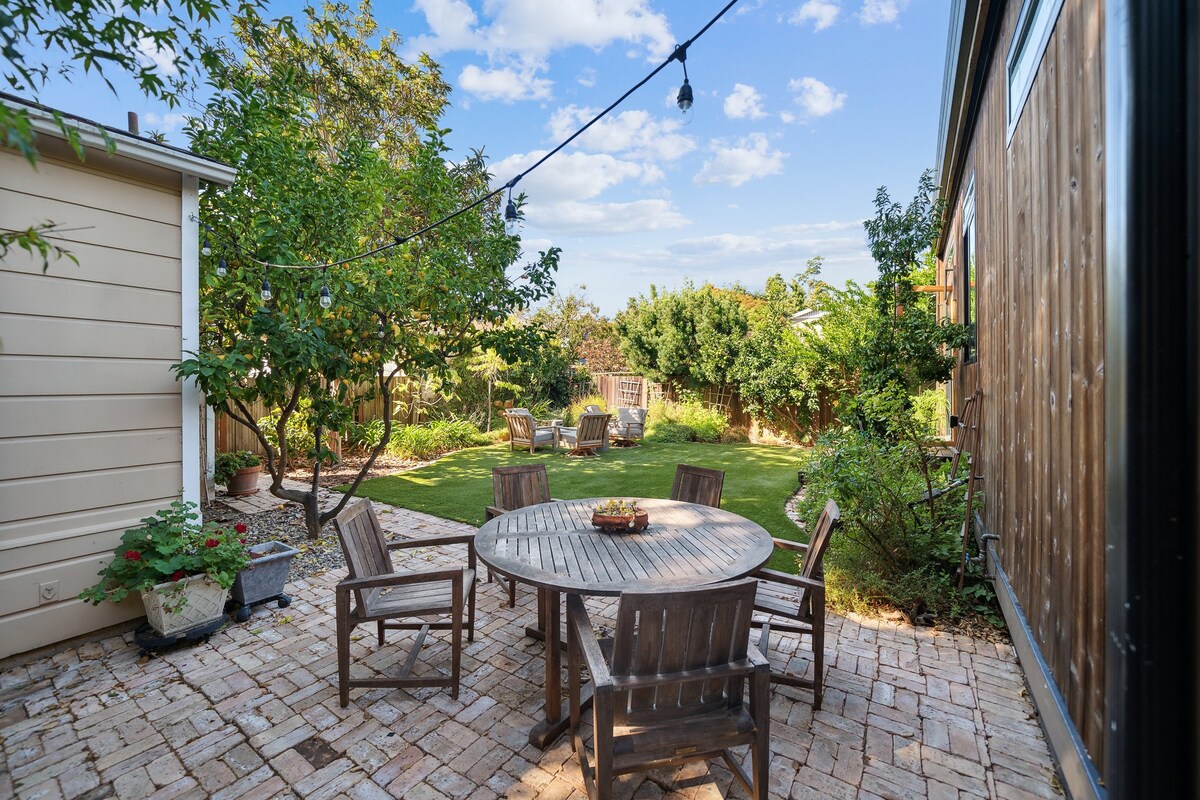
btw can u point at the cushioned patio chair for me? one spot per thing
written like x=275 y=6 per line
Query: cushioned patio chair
x=589 y=435
x=630 y=424
x=524 y=431
x=399 y=599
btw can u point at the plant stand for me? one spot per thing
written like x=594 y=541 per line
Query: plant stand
x=264 y=580
x=150 y=641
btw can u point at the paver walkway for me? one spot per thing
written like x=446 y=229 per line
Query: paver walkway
x=908 y=713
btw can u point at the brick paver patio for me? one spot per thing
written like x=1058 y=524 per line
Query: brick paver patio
x=253 y=712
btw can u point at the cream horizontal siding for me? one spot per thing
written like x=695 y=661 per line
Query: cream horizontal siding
x=90 y=413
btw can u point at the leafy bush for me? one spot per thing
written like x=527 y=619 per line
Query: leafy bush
x=434 y=438
x=929 y=410
x=226 y=465
x=578 y=406
x=701 y=423
x=366 y=435
x=886 y=553
x=735 y=434
x=301 y=444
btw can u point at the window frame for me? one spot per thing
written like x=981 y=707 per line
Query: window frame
x=970 y=297
x=1034 y=25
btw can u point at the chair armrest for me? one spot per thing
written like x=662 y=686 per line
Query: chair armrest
x=798 y=581
x=399 y=579
x=491 y=512
x=759 y=661
x=432 y=541
x=787 y=544
x=579 y=626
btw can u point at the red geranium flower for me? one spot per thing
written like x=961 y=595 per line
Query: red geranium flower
x=133 y=555
x=240 y=527
x=178 y=574
x=211 y=542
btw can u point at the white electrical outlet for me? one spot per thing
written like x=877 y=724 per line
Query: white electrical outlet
x=47 y=592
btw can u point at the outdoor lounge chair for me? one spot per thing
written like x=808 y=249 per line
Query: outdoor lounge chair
x=671 y=689
x=796 y=603
x=383 y=595
x=524 y=431
x=630 y=424
x=590 y=434
x=513 y=488
x=698 y=485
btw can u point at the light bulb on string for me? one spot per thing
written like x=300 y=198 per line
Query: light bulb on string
x=685 y=97
x=266 y=289
x=206 y=248
x=326 y=300
x=222 y=267
x=512 y=220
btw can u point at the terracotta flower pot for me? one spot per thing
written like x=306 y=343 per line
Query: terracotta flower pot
x=621 y=523
x=244 y=482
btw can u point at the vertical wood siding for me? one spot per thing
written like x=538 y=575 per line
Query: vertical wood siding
x=1039 y=238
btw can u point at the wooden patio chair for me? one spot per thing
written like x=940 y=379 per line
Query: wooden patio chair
x=672 y=689
x=590 y=434
x=384 y=595
x=796 y=603
x=513 y=488
x=524 y=431
x=698 y=485
x=630 y=424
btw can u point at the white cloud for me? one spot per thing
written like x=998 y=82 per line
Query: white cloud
x=571 y=176
x=636 y=134
x=874 y=12
x=751 y=157
x=787 y=117
x=452 y=24
x=163 y=58
x=744 y=102
x=822 y=14
x=587 y=77
x=817 y=98
x=605 y=219
x=164 y=123
x=504 y=84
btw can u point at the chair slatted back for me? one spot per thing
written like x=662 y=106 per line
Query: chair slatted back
x=520 y=426
x=671 y=630
x=517 y=487
x=591 y=429
x=698 y=485
x=811 y=566
x=364 y=546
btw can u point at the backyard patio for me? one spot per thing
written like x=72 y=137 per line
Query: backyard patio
x=253 y=712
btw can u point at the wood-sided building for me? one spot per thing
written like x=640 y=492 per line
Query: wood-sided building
x=95 y=431
x=1068 y=158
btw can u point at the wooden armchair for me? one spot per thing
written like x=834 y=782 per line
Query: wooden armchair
x=673 y=688
x=797 y=602
x=630 y=424
x=513 y=488
x=590 y=434
x=698 y=485
x=524 y=431
x=384 y=595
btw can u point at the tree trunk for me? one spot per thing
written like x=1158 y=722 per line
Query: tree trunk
x=488 y=410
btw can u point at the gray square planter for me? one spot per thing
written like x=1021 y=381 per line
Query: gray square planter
x=265 y=578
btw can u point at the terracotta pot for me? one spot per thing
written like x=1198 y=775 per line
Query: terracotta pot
x=244 y=482
x=621 y=523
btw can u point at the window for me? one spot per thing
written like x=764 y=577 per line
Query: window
x=1034 y=26
x=971 y=349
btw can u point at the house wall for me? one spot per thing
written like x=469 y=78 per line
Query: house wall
x=91 y=418
x=1040 y=296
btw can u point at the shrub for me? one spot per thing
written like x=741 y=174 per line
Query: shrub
x=735 y=434
x=702 y=424
x=886 y=553
x=578 y=406
x=434 y=438
x=672 y=432
x=226 y=465
x=300 y=442
x=366 y=435
x=929 y=411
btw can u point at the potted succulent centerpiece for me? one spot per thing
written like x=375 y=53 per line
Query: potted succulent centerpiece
x=183 y=569
x=238 y=471
x=620 y=516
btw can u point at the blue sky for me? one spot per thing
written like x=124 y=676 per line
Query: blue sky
x=803 y=109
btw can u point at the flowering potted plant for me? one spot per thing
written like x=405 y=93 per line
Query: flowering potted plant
x=182 y=568
x=620 y=516
x=238 y=471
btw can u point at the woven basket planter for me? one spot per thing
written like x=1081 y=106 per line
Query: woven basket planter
x=205 y=603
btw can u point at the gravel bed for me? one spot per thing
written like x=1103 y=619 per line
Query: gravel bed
x=286 y=524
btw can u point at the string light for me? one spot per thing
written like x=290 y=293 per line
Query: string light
x=222 y=267
x=512 y=216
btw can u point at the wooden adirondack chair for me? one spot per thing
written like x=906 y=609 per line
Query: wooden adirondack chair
x=384 y=595
x=589 y=435
x=512 y=488
x=523 y=431
x=698 y=485
x=796 y=603
x=673 y=688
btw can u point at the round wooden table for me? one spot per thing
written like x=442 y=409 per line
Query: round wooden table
x=554 y=547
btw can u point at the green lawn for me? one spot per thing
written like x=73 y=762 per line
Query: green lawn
x=758 y=480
